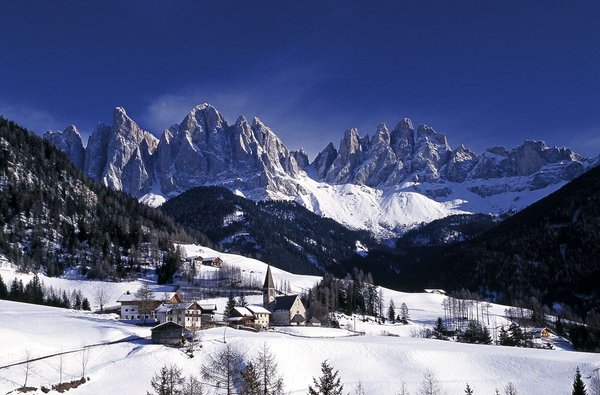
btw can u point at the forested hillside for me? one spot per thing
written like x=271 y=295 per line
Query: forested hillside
x=53 y=217
x=550 y=251
x=283 y=234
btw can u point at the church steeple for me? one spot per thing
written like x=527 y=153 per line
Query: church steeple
x=268 y=290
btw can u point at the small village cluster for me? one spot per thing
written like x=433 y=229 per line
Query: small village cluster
x=173 y=315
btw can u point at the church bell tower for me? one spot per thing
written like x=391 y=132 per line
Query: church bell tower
x=269 y=291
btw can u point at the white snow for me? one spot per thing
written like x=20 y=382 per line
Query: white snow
x=380 y=362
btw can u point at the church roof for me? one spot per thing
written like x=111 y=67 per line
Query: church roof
x=284 y=302
x=269 y=283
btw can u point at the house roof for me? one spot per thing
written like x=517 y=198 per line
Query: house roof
x=177 y=306
x=157 y=296
x=435 y=290
x=298 y=318
x=257 y=309
x=242 y=312
x=208 y=307
x=169 y=325
x=314 y=320
x=284 y=302
x=269 y=283
x=210 y=258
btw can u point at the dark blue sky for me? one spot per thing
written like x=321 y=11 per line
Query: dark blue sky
x=484 y=72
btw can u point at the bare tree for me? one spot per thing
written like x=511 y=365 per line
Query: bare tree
x=84 y=358
x=168 y=381
x=429 y=384
x=27 y=367
x=510 y=389
x=403 y=390
x=101 y=296
x=60 y=367
x=192 y=386
x=224 y=370
x=271 y=383
x=359 y=389
x=145 y=296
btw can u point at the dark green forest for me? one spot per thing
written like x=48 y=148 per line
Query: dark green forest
x=283 y=234
x=53 y=217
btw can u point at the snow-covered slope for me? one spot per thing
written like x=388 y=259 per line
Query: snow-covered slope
x=385 y=361
x=386 y=170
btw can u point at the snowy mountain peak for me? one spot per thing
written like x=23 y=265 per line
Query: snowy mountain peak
x=389 y=168
x=69 y=142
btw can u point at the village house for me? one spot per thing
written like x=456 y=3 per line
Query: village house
x=285 y=309
x=133 y=308
x=169 y=333
x=191 y=315
x=214 y=261
x=207 y=315
x=262 y=316
x=241 y=316
x=186 y=314
x=435 y=291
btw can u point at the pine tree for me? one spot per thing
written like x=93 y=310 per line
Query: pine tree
x=468 y=390
x=439 y=330
x=578 y=384
x=3 y=289
x=392 y=311
x=328 y=384
x=85 y=304
x=229 y=307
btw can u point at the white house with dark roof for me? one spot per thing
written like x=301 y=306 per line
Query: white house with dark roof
x=188 y=315
x=285 y=309
x=131 y=305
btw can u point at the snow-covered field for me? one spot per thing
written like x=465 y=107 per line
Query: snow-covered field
x=381 y=363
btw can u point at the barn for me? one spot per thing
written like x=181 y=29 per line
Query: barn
x=169 y=333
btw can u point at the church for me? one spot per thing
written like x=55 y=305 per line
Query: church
x=285 y=309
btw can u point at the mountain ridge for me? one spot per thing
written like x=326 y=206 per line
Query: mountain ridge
x=248 y=157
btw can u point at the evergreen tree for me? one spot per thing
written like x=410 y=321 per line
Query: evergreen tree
x=439 y=330
x=578 y=384
x=328 y=384
x=504 y=338
x=468 y=390
x=391 y=311
x=231 y=304
x=85 y=305
x=3 y=289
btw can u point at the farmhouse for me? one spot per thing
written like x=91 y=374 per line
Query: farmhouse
x=435 y=291
x=262 y=316
x=540 y=333
x=241 y=316
x=169 y=333
x=285 y=309
x=207 y=315
x=186 y=314
x=133 y=308
x=212 y=261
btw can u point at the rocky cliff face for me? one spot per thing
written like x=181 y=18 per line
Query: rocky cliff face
x=69 y=142
x=426 y=157
x=388 y=167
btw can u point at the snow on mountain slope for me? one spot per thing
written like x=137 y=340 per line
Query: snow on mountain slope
x=386 y=169
x=385 y=362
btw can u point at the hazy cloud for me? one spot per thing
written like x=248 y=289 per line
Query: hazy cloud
x=34 y=119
